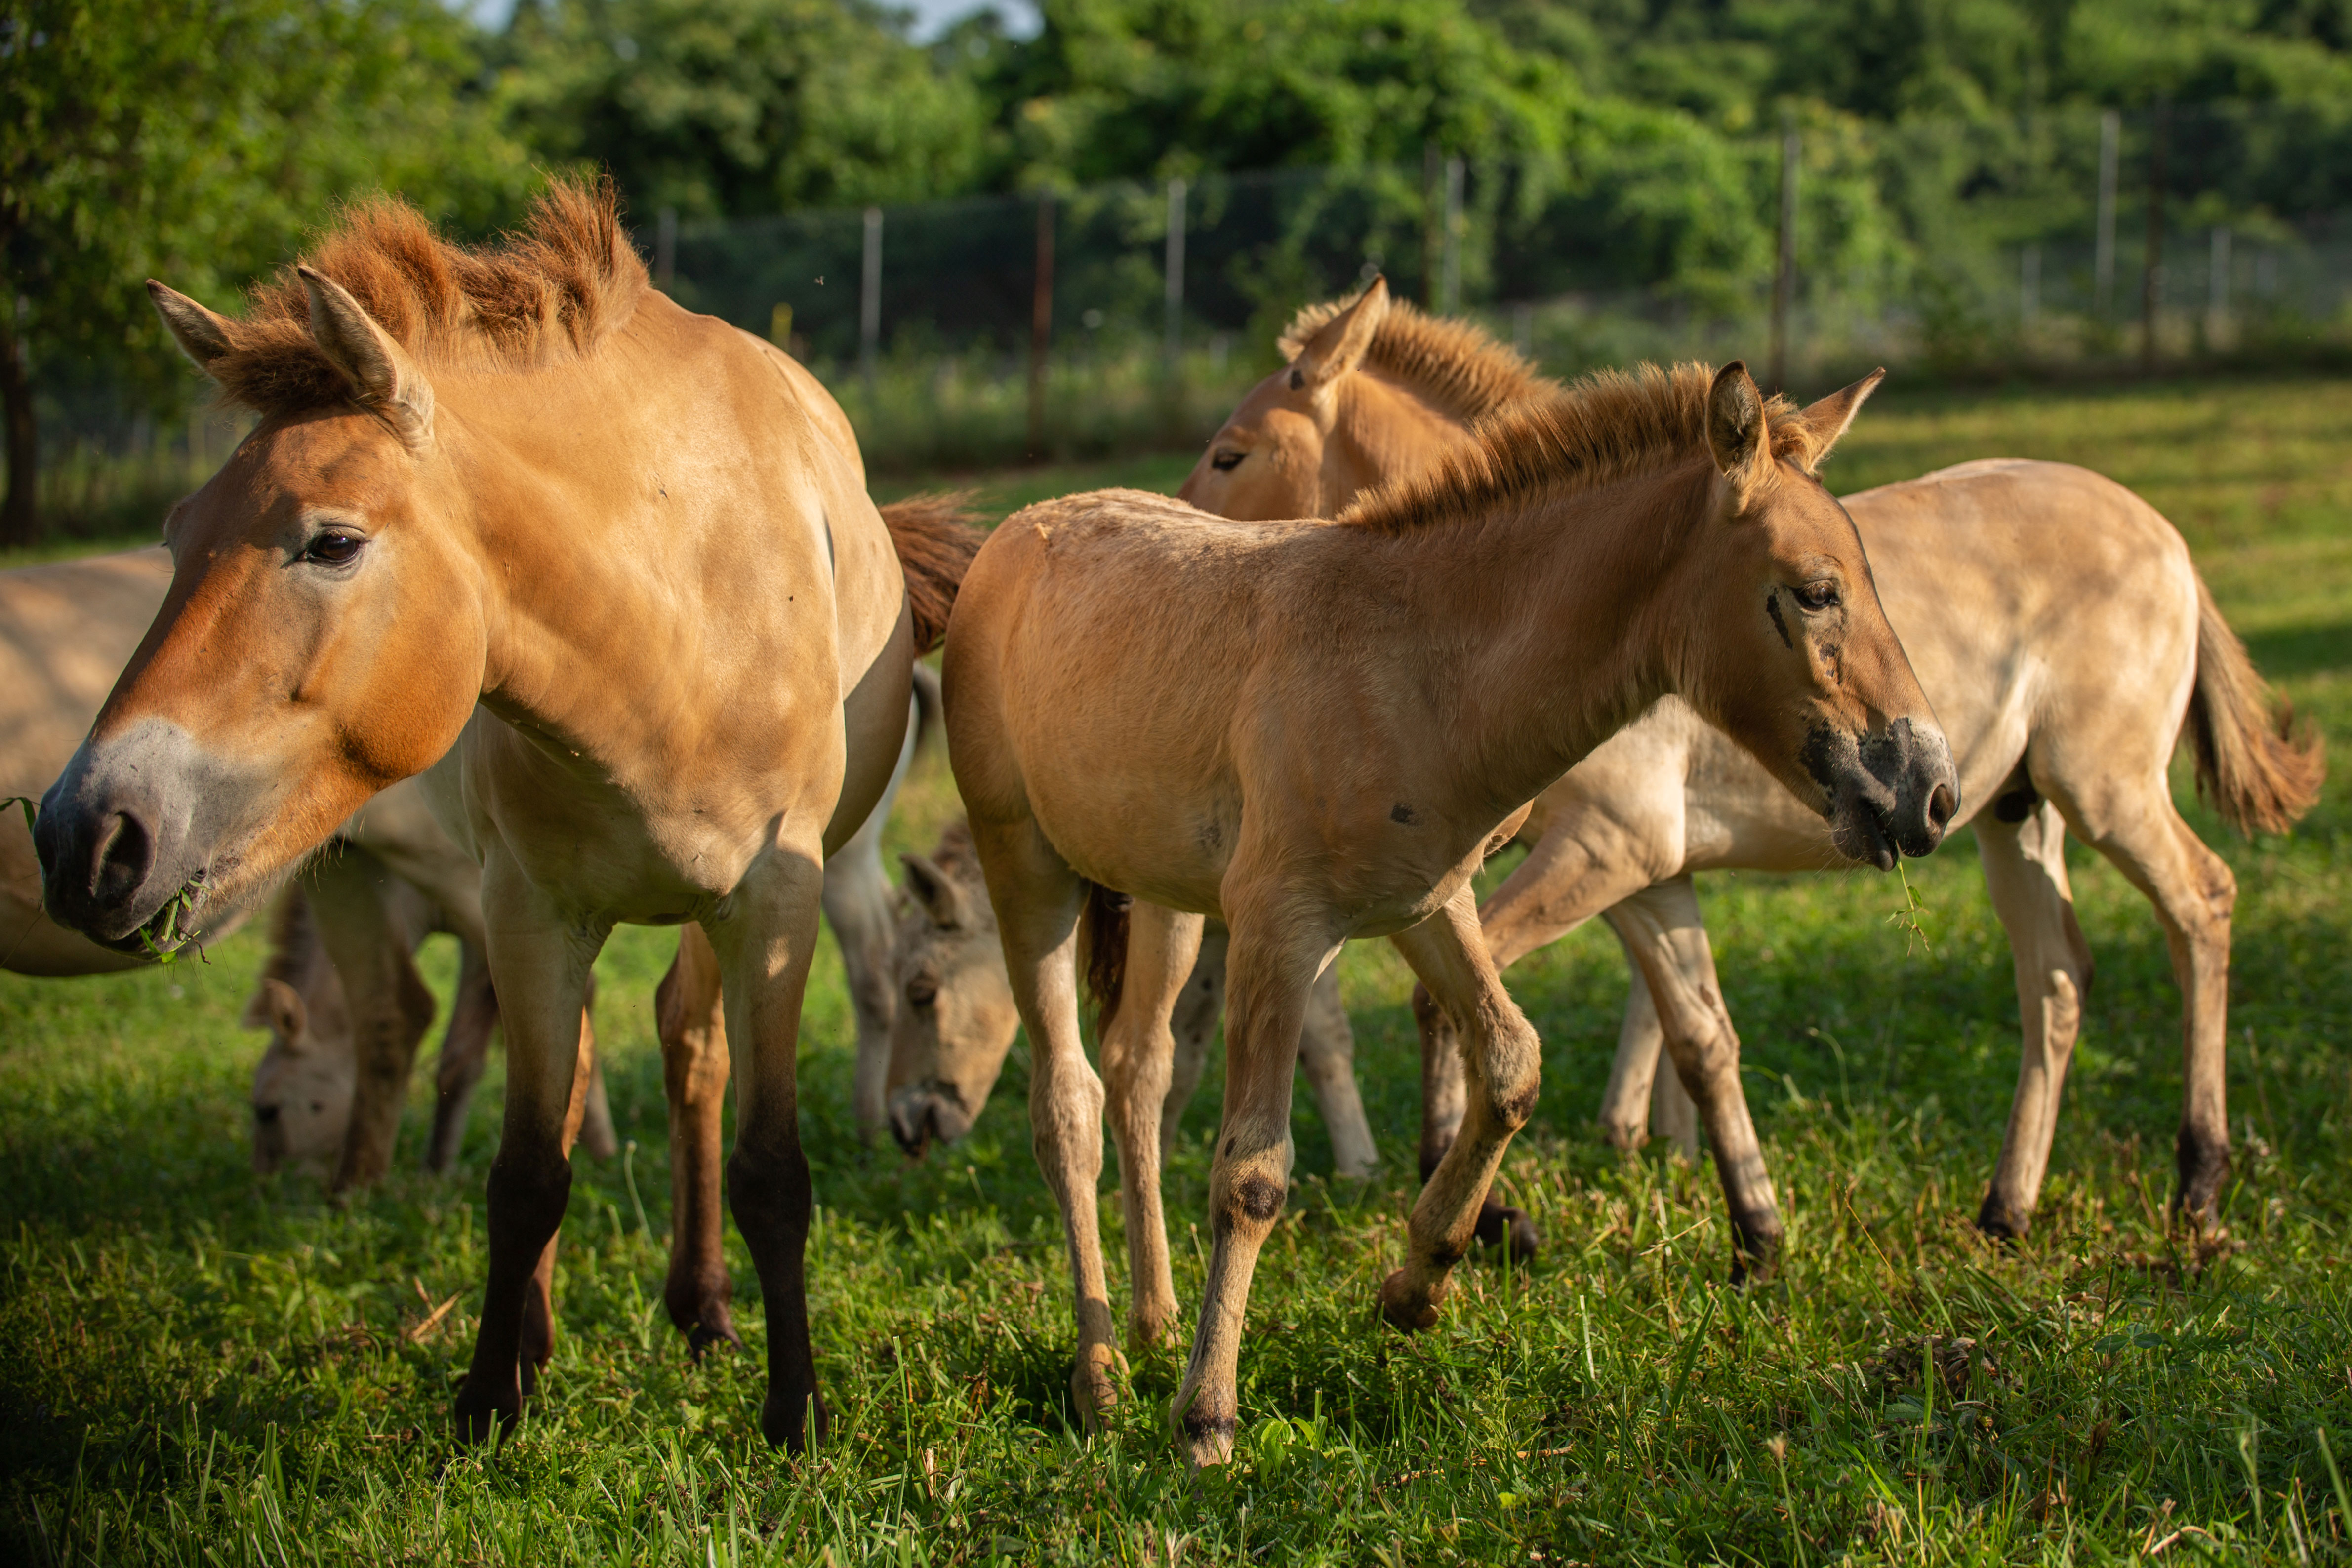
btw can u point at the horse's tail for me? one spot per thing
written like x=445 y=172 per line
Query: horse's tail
x=935 y=538
x=931 y=712
x=2254 y=762
x=1102 y=948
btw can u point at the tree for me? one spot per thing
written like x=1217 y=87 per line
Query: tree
x=194 y=140
x=732 y=108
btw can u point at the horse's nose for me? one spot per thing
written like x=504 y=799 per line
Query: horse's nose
x=1941 y=805
x=126 y=853
x=94 y=861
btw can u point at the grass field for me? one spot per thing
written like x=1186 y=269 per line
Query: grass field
x=200 y=1366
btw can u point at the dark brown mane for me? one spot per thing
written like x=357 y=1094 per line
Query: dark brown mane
x=1610 y=426
x=1454 y=364
x=551 y=288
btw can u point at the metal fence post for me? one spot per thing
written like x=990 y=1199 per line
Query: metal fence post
x=1452 y=301
x=870 y=297
x=2217 y=288
x=2029 y=287
x=2151 y=281
x=1040 y=324
x=665 y=248
x=1784 y=275
x=1175 y=274
x=2103 y=269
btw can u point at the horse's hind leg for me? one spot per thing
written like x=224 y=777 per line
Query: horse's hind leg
x=2025 y=873
x=1501 y=1061
x=1272 y=966
x=2195 y=894
x=1642 y=1101
x=688 y=1017
x=857 y=907
x=1661 y=929
x=1327 y=1054
x=391 y=1008
x=1137 y=1052
x=464 y=1051
x=1037 y=898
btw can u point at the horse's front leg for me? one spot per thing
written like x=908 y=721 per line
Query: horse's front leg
x=1501 y=1059
x=1662 y=930
x=1270 y=966
x=764 y=945
x=540 y=956
x=689 y=1017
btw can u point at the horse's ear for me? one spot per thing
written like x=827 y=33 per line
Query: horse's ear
x=941 y=896
x=1826 y=420
x=1736 y=432
x=1339 y=347
x=202 y=336
x=382 y=374
x=277 y=1007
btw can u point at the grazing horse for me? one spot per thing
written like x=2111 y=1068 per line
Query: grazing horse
x=1315 y=730
x=606 y=568
x=2020 y=590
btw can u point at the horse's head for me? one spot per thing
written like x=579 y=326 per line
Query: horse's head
x=323 y=637
x=1309 y=437
x=956 y=1018
x=1784 y=644
x=302 y=1086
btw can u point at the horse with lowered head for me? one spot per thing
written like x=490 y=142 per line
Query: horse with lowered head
x=1315 y=731
x=606 y=568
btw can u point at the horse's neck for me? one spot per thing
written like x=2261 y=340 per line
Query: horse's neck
x=1383 y=430
x=1555 y=607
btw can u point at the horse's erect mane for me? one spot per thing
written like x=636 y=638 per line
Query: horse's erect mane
x=550 y=289
x=1454 y=364
x=1610 y=426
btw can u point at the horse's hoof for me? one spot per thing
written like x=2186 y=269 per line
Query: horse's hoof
x=1405 y=1308
x=1094 y=1382
x=478 y=1417
x=786 y=1422
x=1207 y=1438
x=2000 y=1223
x=715 y=1327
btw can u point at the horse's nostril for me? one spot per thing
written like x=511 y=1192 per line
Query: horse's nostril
x=1941 y=805
x=265 y=1115
x=126 y=853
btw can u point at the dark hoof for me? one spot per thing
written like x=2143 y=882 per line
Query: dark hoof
x=716 y=1329
x=784 y=1422
x=1403 y=1312
x=479 y=1417
x=2204 y=1171
x=1999 y=1224
x=1497 y=1224
x=1756 y=1247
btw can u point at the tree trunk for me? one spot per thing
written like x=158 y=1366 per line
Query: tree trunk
x=20 y=522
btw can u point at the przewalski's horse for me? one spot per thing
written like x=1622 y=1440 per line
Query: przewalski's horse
x=1316 y=730
x=956 y=1021
x=609 y=570
x=2020 y=588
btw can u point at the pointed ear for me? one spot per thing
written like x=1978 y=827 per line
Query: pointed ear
x=202 y=336
x=1826 y=420
x=1735 y=430
x=382 y=374
x=941 y=895
x=1339 y=347
x=278 y=1008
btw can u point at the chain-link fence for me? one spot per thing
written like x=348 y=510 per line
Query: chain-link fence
x=985 y=329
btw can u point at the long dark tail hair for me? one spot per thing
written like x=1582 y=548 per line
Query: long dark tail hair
x=936 y=537
x=2253 y=761
x=1102 y=949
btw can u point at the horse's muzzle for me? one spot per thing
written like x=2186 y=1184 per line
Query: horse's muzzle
x=121 y=843
x=1893 y=792
x=925 y=1114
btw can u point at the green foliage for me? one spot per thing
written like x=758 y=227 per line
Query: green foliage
x=737 y=107
x=197 y=142
x=199 y=1366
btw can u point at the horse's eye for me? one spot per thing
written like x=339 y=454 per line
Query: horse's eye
x=1225 y=462
x=334 y=548
x=1816 y=595
x=922 y=993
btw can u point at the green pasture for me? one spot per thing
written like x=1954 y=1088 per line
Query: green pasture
x=198 y=1366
